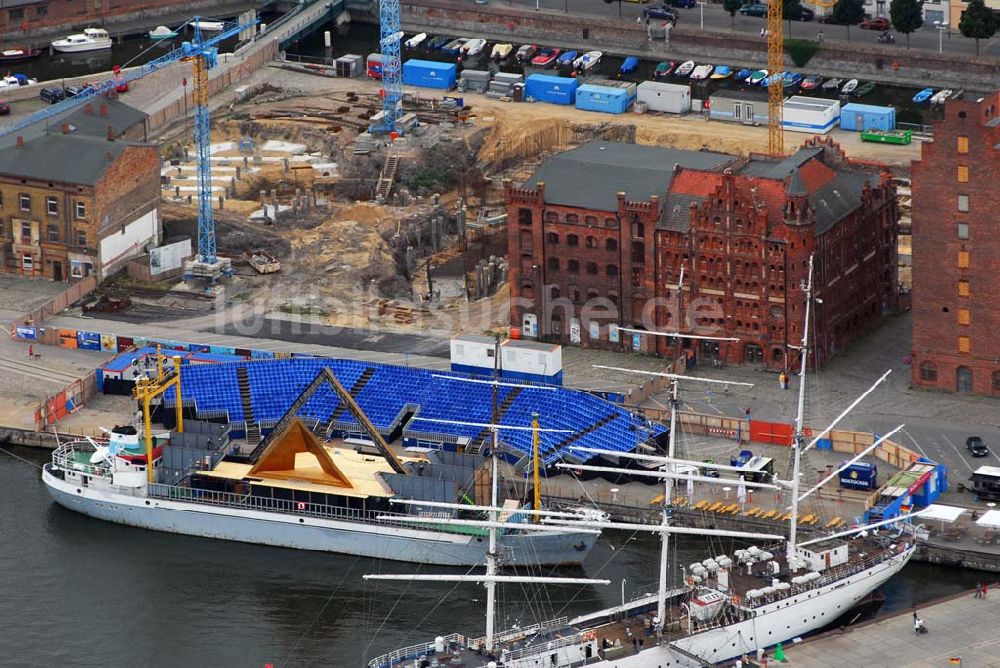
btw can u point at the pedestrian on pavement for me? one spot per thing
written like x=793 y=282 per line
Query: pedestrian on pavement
x=635 y=645
x=31 y=350
x=979 y=590
x=762 y=32
x=986 y=588
x=819 y=37
x=641 y=642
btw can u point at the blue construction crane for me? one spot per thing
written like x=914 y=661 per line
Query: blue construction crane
x=204 y=55
x=392 y=68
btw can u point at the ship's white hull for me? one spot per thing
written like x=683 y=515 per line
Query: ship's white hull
x=81 y=47
x=774 y=623
x=313 y=533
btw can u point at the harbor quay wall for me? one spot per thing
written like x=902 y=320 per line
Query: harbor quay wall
x=835 y=58
x=957 y=557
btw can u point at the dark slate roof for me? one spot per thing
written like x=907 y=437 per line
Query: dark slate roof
x=767 y=168
x=120 y=117
x=795 y=185
x=839 y=197
x=58 y=157
x=590 y=176
x=676 y=216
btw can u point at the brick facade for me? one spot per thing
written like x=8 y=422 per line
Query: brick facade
x=956 y=251
x=742 y=232
x=16 y=15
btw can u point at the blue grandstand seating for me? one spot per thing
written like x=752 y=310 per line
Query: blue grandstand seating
x=276 y=383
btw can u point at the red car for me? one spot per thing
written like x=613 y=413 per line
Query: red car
x=4 y=107
x=877 y=23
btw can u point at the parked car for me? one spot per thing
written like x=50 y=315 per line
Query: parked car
x=976 y=447
x=52 y=95
x=73 y=91
x=684 y=4
x=876 y=23
x=754 y=9
x=803 y=14
x=4 y=107
x=828 y=18
x=661 y=13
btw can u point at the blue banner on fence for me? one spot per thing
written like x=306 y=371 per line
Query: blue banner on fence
x=25 y=332
x=261 y=354
x=88 y=340
x=222 y=350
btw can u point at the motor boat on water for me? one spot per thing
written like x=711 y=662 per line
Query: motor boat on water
x=416 y=40
x=685 y=69
x=526 y=52
x=941 y=97
x=702 y=72
x=162 y=32
x=588 y=60
x=455 y=45
x=91 y=39
x=832 y=84
x=566 y=59
x=864 y=88
x=744 y=74
x=923 y=96
x=849 y=87
x=630 y=64
x=812 y=82
x=722 y=72
x=217 y=26
x=756 y=77
x=663 y=69
x=791 y=80
x=436 y=43
x=545 y=56
x=501 y=51
x=473 y=47
x=15 y=54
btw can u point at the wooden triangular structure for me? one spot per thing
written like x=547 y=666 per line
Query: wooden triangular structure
x=279 y=458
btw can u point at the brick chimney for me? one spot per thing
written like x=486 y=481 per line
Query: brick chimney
x=104 y=109
x=65 y=128
x=88 y=109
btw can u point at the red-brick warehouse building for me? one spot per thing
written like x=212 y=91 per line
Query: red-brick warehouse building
x=956 y=251
x=598 y=238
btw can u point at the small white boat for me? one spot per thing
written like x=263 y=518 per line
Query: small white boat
x=474 y=47
x=685 y=68
x=702 y=72
x=455 y=45
x=209 y=26
x=91 y=39
x=588 y=60
x=849 y=87
x=415 y=41
x=941 y=96
x=501 y=51
x=162 y=32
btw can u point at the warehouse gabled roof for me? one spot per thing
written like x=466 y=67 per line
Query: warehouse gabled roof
x=591 y=176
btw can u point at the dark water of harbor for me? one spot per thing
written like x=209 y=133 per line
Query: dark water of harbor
x=363 y=39
x=80 y=592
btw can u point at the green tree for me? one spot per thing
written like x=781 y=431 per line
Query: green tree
x=732 y=6
x=978 y=22
x=790 y=9
x=849 y=13
x=906 y=16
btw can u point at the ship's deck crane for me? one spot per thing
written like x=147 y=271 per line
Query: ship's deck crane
x=391 y=91
x=204 y=55
x=775 y=88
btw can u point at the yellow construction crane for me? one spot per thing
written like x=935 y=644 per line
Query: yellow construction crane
x=775 y=89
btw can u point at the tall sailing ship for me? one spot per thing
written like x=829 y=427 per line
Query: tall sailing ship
x=729 y=605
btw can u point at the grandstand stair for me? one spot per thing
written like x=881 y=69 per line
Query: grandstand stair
x=572 y=438
x=253 y=429
x=359 y=384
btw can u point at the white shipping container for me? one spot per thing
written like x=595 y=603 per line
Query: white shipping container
x=531 y=358
x=659 y=96
x=472 y=353
x=810 y=114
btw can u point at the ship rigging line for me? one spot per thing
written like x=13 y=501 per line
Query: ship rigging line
x=26 y=461
x=291 y=652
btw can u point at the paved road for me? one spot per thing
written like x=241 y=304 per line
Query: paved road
x=936 y=424
x=717 y=19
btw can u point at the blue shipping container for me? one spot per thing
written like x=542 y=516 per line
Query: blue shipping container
x=429 y=74
x=864 y=117
x=603 y=98
x=547 y=88
x=859 y=475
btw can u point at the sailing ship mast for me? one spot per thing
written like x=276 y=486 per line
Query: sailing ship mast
x=799 y=437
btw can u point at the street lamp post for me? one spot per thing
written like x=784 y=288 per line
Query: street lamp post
x=701 y=12
x=941 y=27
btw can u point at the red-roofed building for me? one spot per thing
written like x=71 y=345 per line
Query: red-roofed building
x=600 y=236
